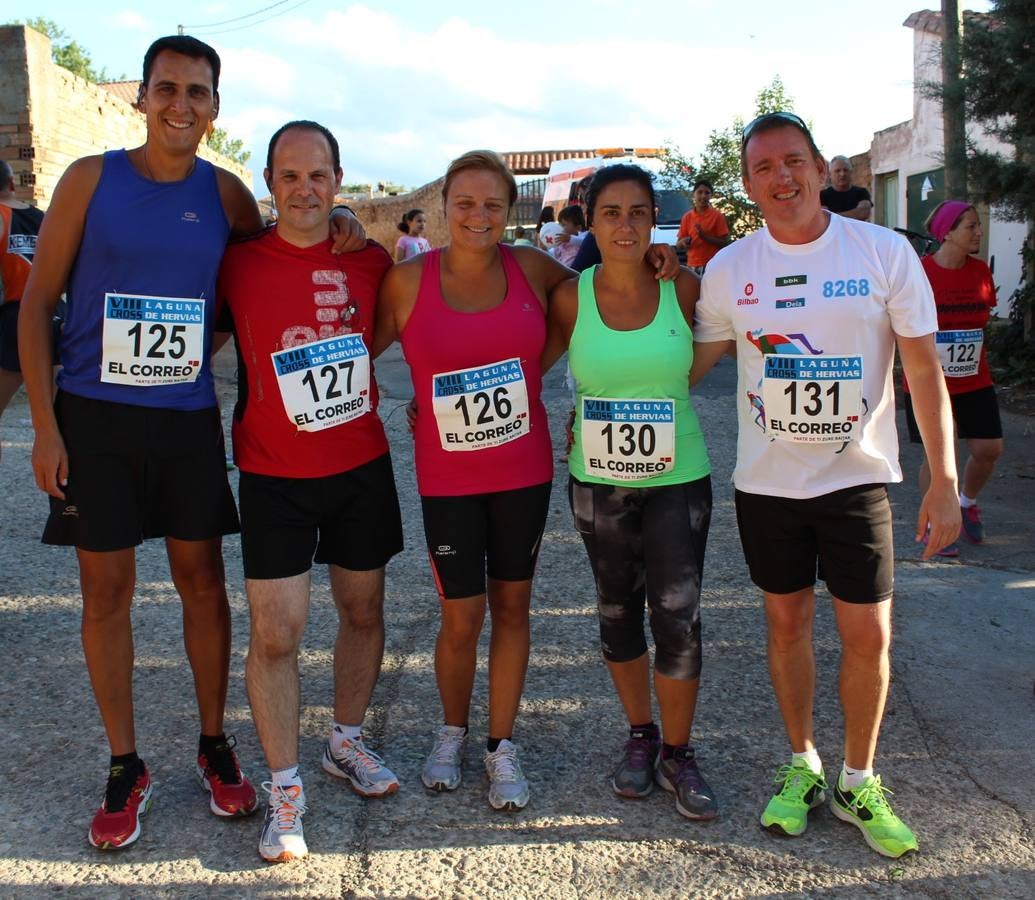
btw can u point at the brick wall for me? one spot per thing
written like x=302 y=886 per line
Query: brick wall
x=381 y=215
x=50 y=117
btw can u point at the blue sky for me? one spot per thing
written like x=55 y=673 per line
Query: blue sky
x=406 y=86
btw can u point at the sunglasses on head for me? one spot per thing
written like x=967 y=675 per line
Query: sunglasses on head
x=788 y=117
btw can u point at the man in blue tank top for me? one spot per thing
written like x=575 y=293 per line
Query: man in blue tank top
x=132 y=448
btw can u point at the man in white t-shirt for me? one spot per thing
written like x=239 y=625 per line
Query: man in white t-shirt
x=816 y=304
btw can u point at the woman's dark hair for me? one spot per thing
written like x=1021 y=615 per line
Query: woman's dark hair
x=304 y=125
x=185 y=45
x=404 y=223
x=612 y=175
x=574 y=215
x=705 y=182
x=545 y=216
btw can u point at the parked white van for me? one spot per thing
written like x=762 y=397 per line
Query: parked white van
x=565 y=175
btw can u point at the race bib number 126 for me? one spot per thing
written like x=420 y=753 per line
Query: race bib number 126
x=151 y=341
x=481 y=407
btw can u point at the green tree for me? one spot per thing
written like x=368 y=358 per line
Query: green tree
x=231 y=148
x=998 y=54
x=719 y=163
x=66 y=53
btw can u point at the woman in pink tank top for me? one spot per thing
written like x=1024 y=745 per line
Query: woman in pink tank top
x=471 y=319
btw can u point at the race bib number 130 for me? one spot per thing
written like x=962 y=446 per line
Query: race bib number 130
x=481 y=407
x=628 y=440
x=151 y=341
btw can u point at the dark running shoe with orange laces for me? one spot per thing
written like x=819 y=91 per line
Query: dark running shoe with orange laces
x=230 y=793
x=126 y=798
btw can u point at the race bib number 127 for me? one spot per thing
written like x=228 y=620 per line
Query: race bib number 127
x=324 y=383
x=151 y=341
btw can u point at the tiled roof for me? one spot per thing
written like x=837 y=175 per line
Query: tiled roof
x=537 y=162
x=124 y=90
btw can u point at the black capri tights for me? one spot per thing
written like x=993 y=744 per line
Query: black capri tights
x=647 y=545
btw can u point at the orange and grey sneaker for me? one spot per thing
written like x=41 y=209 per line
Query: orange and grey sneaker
x=230 y=793
x=126 y=798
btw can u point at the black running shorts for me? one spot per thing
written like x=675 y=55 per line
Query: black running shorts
x=844 y=538
x=976 y=414
x=350 y=520
x=471 y=535
x=135 y=472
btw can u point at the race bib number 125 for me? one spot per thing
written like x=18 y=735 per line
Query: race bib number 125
x=151 y=341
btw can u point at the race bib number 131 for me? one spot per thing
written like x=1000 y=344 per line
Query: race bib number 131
x=813 y=399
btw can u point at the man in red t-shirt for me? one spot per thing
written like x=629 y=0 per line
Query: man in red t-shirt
x=316 y=476
x=703 y=231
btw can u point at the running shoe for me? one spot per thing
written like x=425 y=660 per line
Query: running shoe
x=868 y=809
x=679 y=775
x=230 y=793
x=508 y=787
x=973 y=527
x=441 y=771
x=282 y=839
x=117 y=823
x=801 y=790
x=361 y=767
x=634 y=776
x=951 y=551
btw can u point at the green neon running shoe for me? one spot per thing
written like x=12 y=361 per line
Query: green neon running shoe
x=868 y=810
x=801 y=790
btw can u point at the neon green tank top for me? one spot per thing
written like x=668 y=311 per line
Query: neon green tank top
x=634 y=424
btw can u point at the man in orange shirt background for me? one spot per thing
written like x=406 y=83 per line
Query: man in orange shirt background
x=703 y=230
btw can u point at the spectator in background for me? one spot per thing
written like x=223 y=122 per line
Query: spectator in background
x=412 y=243
x=547 y=215
x=566 y=244
x=703 y=231
x=520 y=238
x=842 y=197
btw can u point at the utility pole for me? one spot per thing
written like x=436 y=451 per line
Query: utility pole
x=953 y=117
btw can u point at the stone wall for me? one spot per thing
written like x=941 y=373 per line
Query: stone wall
x=50 y=117
x=381 y=215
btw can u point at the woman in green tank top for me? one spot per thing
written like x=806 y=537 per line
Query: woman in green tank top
x=640 y=486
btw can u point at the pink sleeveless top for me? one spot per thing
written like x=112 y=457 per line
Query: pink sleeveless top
x=481 y=426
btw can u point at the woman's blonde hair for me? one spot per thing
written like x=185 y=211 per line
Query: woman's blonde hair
x=487 y=160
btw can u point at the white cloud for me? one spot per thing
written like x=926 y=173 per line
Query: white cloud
x=131 y=20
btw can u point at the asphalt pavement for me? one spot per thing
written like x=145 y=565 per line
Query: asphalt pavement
x=957 y=746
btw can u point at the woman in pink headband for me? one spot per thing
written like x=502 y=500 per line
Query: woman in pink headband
x=965 y=296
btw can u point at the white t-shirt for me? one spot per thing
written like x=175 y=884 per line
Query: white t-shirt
x=815 y=327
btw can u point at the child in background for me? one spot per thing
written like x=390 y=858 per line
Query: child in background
x=573 y=222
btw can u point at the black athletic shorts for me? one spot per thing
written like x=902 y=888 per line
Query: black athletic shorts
x=498 y=533
x=844 y=538
x=135 y=472
x=976 y=414
x=350 y=520
x=9 y=334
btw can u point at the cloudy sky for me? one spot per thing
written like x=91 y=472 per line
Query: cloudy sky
x=408 y=85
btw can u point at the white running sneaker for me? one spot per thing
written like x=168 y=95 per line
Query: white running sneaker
x=508 y=787
x=361 y=767
x=282 y=839
x=442 y=770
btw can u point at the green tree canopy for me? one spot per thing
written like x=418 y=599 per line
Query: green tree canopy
x=719 y=163
x=231 y=148
x=69 y=54
x=998 y=55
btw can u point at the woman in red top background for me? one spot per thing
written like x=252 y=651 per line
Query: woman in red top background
x=965 y=296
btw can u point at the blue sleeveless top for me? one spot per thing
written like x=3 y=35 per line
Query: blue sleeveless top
x=145 y=245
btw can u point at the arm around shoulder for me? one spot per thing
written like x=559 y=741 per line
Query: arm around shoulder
x=560 y=321
x=395 y=301
x=242 y=212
